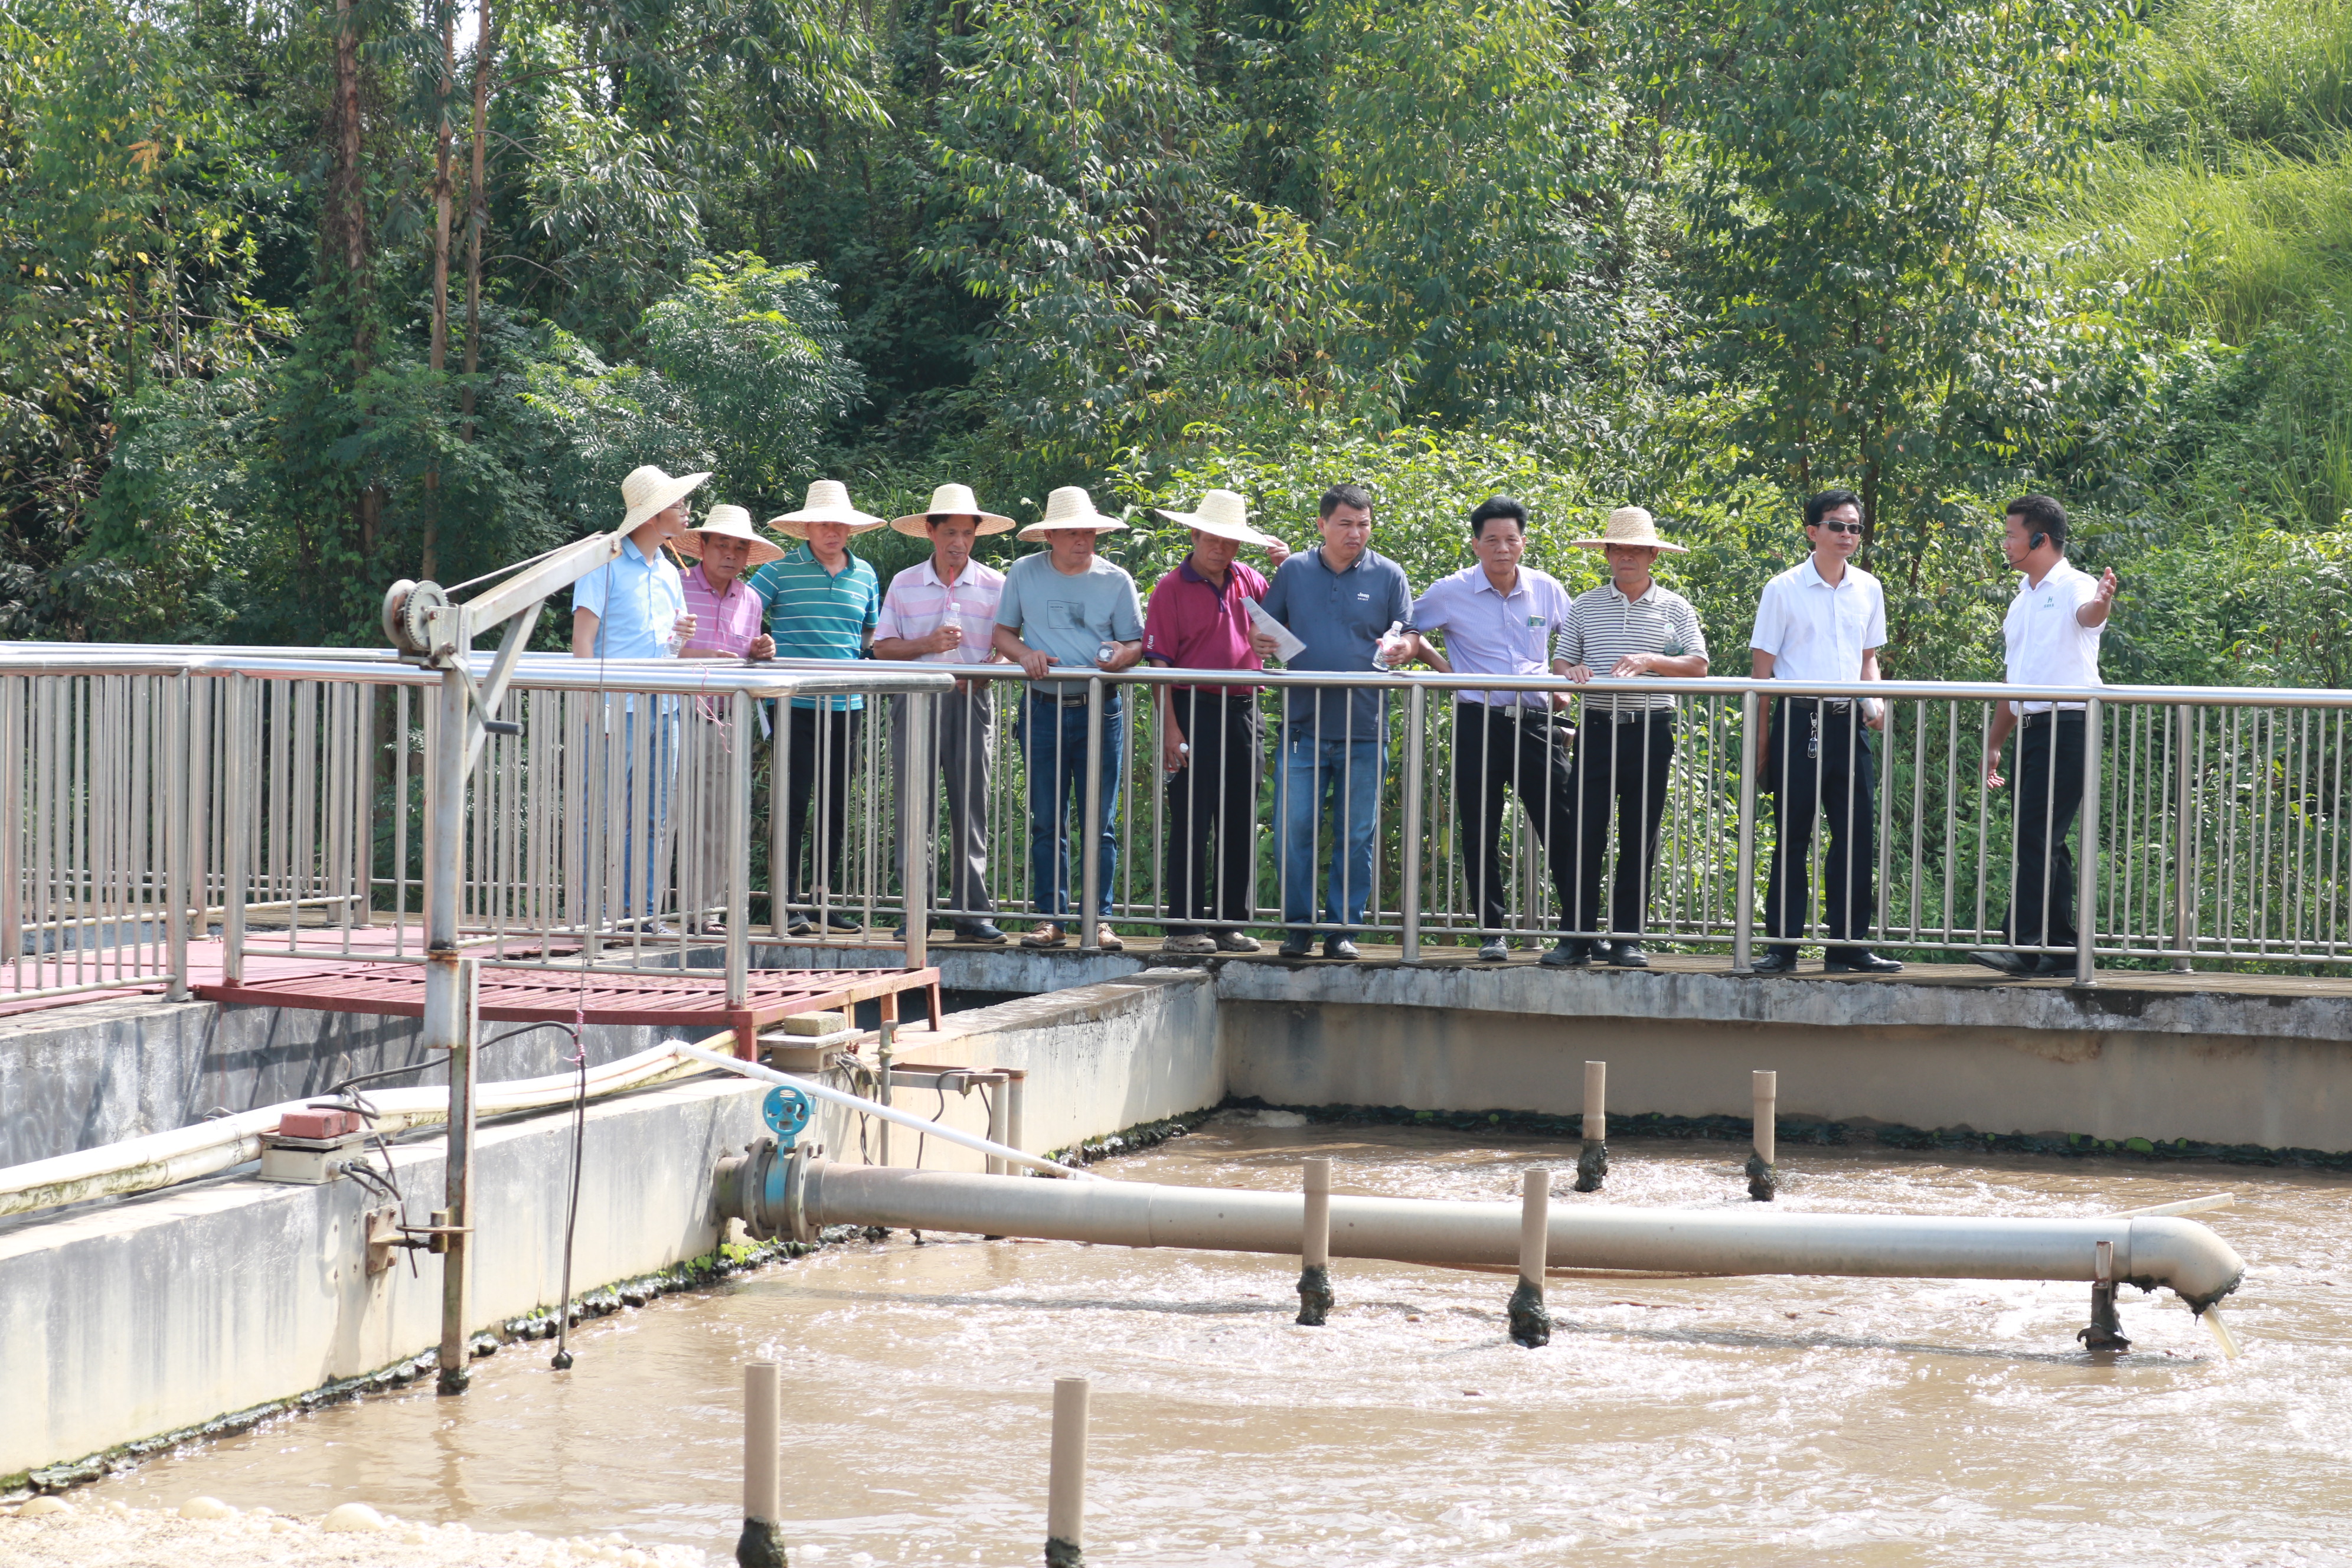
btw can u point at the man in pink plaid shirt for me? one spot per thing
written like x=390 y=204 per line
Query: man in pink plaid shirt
x=725 y=626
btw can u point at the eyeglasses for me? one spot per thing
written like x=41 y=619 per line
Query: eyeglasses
x=1840 y=527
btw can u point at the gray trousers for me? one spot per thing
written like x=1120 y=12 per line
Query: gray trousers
x=963 y=741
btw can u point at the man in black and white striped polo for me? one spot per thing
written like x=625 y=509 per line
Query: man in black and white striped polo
x=1630 y=625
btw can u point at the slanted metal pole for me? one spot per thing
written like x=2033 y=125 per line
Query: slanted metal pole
x=1763 y=1175
x=739 y=858
x=1065 y=1484
x=1530 y=1323
x=761 y=1545
x=2086 y=863
x=1315 y=1245
x=1743 y=906
x=1592 y=1162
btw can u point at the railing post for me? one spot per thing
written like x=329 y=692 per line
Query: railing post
x=738 y=756
x=1090 y=828
x=169 y=764
x=918 y=789
x=1416 y=701
x=2086 y=862
x=14 y=754
x=2185 y=846
x=236 y=792
x=1743 y=909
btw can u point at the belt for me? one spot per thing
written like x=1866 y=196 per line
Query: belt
x=1835 y=704
x=1077 y=701
x=2030 y=720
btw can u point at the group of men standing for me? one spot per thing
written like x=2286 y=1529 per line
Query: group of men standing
x=1340 y=607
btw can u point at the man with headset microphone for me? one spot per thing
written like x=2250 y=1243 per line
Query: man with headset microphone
x=2051 y=635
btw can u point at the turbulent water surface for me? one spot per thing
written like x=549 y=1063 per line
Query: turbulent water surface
x=1787 y=1421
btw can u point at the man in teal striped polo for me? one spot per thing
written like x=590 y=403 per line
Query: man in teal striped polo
x=822 y=603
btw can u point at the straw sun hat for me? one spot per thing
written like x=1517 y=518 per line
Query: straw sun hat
x=1071 y=507
x=1222 y=514
x=950 y=500
x=648 y=491
x=1629 y=525
x=729 y=523
x=829 y=502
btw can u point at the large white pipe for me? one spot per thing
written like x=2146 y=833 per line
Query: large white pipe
x=2149 y=1251
x=207 y=1148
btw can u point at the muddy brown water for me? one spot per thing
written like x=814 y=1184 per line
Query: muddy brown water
x=1786 y=1421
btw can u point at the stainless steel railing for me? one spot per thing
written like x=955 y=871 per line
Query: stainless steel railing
x=640 y=811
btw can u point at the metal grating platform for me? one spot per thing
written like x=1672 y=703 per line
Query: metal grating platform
x=687 y=999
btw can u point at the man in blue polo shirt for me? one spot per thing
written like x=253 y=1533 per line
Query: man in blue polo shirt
x=1346 y=602
x=823 y=603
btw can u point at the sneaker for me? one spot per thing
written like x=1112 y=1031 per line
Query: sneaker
x=1190 y=942
x=1235 y=942
x=1297 y=944
x=1569 y=952
x=800 y=925
x=1494 y=950
x=978 y=931
x=1049 y=934
x=836 y=920
x=1108 y=941
x=1628 y=955
x=1336 y=946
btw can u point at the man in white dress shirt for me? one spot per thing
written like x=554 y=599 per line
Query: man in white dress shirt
x=1825 y=619
x=2052 y=634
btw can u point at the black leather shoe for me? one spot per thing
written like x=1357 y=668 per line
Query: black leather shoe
x=1297 y=944
x=2013 y=964
x=1569 y=952
x=1628 y=955
x=1861 y=961
x=1779 y=961
x=2052 y=964
x=978 y=931
x=1339 y=947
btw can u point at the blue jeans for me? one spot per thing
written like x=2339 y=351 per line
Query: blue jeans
x=1348 y=770
x=1054 y=740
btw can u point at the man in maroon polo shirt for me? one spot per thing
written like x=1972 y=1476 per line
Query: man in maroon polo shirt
x=1198 y=619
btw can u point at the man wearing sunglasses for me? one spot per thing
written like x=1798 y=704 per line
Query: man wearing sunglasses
x=1825 y=619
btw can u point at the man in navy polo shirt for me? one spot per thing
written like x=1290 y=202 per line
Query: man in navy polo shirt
x=1346 y=602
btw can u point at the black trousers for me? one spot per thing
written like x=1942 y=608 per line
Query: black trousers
x=1628 y=761
x=1819 y=763
x=1499 y=751
x=2049 y=793
x=820 y=758
x=1212 y=809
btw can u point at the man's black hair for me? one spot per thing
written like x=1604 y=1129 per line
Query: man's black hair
x=1828 y=501
x=1494 y=507
x=2040 y=514
x=1339 y=496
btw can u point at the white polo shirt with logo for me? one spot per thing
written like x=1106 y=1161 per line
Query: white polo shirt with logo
x=2047 y=643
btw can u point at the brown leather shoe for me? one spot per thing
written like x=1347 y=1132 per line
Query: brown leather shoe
x=1049 y=934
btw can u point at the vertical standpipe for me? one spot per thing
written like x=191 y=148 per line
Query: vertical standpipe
x=761 y=1543
x=1593 y=1163
x=1315 y=1245
x=1763 y=1175
x=1065 y=1482
x=1530 y=1323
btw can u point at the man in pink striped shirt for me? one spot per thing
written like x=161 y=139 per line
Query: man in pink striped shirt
x=725 y=626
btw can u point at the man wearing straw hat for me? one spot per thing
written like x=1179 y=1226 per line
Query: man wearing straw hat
x=823 y=603
x=943 y=611
x=727 y=626
x=1628 y=626
x=634 y=606
x=1070 y=608
x=1209 y=735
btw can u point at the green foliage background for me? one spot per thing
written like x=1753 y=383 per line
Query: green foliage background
x=1704 y=255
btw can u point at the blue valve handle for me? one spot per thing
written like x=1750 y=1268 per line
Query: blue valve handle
x=786 y=1110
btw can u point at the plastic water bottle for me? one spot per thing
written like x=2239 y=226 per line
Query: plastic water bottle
x=1377 y=662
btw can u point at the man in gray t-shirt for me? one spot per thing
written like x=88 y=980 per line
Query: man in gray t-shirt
x=1068 y=607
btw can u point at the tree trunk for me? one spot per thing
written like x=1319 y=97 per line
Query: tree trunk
x=347 y=218
x=476 y=218
x=443 y=192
